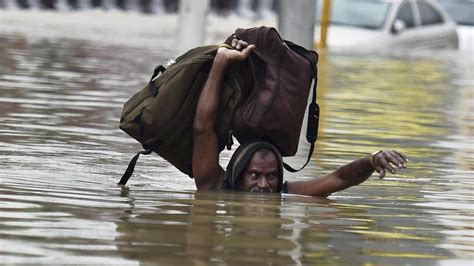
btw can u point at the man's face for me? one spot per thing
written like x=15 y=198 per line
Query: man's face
x=261 y=174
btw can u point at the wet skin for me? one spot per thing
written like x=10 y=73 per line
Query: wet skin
x=261 y=173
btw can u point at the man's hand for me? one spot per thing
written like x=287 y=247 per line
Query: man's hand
x=241 y=50
x=384 y=161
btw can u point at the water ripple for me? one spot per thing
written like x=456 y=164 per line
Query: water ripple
x=62 y=155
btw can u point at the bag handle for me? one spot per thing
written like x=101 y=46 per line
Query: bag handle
x=313 y=108
x=151 y=85
x=313 y=125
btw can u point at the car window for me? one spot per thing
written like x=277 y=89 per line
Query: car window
x=428 y=14
x=461 y=11
x=405 y=14
x=370 y=14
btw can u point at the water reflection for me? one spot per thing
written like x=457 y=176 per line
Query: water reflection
x=213 y=227
x=62 y=154
x=218 y=228
x=246 y=228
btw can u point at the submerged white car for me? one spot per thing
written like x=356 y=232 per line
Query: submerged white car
x=388 y=25
x=462 y=11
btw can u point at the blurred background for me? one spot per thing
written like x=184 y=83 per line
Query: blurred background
x=364 y=24
x=393 y=74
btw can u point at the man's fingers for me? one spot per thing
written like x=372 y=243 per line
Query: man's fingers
x=378 y=169
x=395 y=159
x=246 y=52
x=241 y=45
x=385 y=164
x=402 y=156
x=239 y=52
x=388 y=161
x=382 y=173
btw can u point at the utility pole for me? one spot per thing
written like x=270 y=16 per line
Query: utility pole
x=192 y=29
x=296 y=21
x=325 y=21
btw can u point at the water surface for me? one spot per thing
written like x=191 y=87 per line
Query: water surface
x=62 y=153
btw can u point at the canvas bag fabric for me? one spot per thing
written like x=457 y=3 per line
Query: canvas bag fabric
x=161 y=115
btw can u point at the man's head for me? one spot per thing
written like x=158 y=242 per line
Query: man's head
x=261 y=173
x=255 y=167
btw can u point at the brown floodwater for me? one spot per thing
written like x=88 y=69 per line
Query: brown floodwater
x=61 y=155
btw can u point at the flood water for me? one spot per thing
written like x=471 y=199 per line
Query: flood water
x=61 y=155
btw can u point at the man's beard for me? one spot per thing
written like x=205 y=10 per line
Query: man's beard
x=264 y=190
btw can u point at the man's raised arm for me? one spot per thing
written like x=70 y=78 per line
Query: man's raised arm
x=206 y=169
x=350 y=174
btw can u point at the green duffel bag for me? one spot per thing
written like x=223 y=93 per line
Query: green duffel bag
x=161 y=115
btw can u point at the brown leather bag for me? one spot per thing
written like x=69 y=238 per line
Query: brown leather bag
x=279 y=76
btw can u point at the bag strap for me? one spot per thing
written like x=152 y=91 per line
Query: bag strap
x=151 y=85
x=131 y=167
x=313 y=108
x=313 y=124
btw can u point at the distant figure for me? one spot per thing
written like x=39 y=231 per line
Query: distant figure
x=171 y=6
x=23 y=4
x=245 y=9
x=223 y=7
x=47 y=4
x=154 y=6
x=96 y=3
x=266 y=9
x=11 y=4
x=34 y=4
x=109 y=4
x=257 y=166
x=133 y=5
x=83 y=4
x=147 y=6
x=62 y=5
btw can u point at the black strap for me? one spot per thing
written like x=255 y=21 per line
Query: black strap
x=312 y=129
x=151 y=85
x=131 y=167
x=293 y=170
x=313 y=118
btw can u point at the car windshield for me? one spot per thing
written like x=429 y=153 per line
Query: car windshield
x=369 y=14
x=461 y=11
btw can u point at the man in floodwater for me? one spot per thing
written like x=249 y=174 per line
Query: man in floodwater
x=257 y=167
